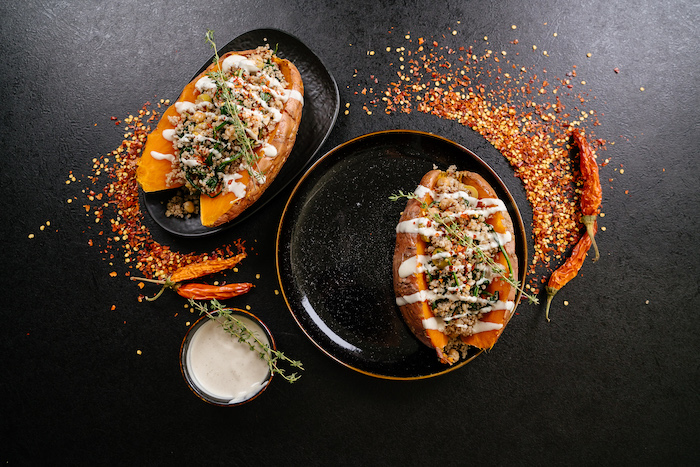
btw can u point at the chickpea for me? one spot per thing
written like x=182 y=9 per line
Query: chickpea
x=441 y=263
x=453 y=355
x=188 y=206
x=447 y=203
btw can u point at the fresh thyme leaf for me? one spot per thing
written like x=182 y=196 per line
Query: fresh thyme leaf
x=402 y=195
x=237 y=329
x=455 y=235
x=230 y=109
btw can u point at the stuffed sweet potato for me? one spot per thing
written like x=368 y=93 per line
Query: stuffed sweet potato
x=454 y=266
x=228 y=134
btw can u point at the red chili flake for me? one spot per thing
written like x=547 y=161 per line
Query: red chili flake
x=115 y=173
x=531 y=132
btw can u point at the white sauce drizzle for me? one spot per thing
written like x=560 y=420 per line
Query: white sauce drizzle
x=184 y=106
x=169 y=134
x=238 y=61
x=483 y=326
x=235 y=187
x=420 y=263
x=431 y=296
x=161 y=157
x=190 y=162
x=419 y=225
x=269 y=150
x=414 y=265
x=292 y=94
x=434 y=323
x=263 y=113
x=438 y=324
x=205 y=83
x=497 y=305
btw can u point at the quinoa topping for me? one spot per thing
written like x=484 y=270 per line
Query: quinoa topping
x=460 y=257
x=224 y=131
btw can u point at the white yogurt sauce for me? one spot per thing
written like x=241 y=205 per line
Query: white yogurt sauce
x=223 y=367
x=438 y=324
x=269 y=150
x=184 y=106
x=238 y=61
x=169 y=134
x=162 y=157
x=415 y=265
x=205 y=83
x=292 y=94
x=235 y=187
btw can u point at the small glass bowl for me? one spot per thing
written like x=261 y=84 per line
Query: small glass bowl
x=192 y=380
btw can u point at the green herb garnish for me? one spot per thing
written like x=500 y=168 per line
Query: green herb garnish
x=468 y=242
x=230 y=108
x=225 y=317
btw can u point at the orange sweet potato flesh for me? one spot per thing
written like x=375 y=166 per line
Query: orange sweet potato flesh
x=408 y=245
x=502 y=223
x=151 y=173
x=437 y=338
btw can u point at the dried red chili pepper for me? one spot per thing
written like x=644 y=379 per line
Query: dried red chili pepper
x=570 y=268
x=205 y=268
x=212 y=292
x=592 y=192
x=591 y=198
x=199 y=291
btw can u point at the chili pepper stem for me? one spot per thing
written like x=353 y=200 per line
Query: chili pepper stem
x=165 y=283
x=154 y=281
x=551 y=292
x=160 y=292
x=589 y=222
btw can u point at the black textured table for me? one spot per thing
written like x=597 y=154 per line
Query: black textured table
x=90 y=374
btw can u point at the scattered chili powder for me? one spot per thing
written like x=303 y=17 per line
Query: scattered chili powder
x=520 y=113
x=120 y=208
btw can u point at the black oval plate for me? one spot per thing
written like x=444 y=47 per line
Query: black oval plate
x=335 y=246
x=321 y=106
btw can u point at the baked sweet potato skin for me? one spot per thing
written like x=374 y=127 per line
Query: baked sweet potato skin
x=152 y=173
x=409 y=245
x=282 y=138
x=502 y=223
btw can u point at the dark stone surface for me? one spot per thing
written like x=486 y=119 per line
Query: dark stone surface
x=611 y=380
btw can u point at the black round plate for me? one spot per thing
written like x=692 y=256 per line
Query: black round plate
x=321 y=106
x=335 y=246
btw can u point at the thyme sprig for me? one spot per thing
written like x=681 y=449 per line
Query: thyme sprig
x=225 y=317
x=231 y=109
x=454 y=234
